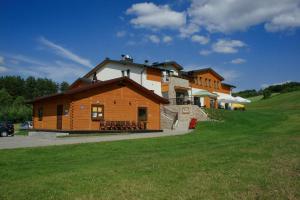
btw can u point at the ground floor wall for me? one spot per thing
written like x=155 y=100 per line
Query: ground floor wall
x=119 y=104
x=48 y=118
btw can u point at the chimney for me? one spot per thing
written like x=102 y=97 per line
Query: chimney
x=127 y=58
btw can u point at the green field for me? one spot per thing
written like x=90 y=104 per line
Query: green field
x=250 y=155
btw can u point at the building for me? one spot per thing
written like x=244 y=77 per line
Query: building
x=159 y=95
x=201 y=87
x=83 y=107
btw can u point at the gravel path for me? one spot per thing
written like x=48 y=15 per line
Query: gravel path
x=38 y=141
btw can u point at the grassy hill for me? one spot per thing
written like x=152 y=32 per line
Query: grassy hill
x=251 y=155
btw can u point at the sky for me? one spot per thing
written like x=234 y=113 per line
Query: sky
x=251 y=43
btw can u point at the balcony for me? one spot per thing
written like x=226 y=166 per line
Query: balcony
x=181 y=101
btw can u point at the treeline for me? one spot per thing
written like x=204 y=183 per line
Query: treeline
x=266 y=92
x=15 y=91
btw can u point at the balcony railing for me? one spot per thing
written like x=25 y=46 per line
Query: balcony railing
x=181 y=101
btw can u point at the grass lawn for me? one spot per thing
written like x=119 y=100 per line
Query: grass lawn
x=251 y=155
x=18 y=131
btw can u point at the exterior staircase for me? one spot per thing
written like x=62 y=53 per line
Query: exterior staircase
x=178 y=117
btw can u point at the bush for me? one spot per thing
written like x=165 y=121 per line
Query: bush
x=267 y=94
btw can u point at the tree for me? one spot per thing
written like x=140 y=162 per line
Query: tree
x=5 y=102
x=14 y=85
x=267 y=94
x=64 y=86
x=30 y=87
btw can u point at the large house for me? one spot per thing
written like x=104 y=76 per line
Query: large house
x=201 y=87
x=122 y=94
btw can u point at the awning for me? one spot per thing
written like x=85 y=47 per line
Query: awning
x=226 y=98
x=204 y=93
x=242 y=100
x=181 y=88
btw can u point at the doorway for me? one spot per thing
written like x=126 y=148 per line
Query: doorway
x=212 y=103
x=143 y=115
x=197 y=101
x=59 y=114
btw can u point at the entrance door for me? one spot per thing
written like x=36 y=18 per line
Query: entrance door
x=143 y=115
x=59 y=114
x=212 y=103
x=197 y=101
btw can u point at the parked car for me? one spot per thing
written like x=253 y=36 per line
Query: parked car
x=6 y=129
x=26 y=125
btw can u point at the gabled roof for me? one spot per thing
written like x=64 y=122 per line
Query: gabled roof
x=120 y=81
x=175 y=64
x=228 y=85
x=84 y=80
x=123 y=62
x=200 y=71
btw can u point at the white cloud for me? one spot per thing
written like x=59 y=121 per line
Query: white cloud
x=238 y=61
x=1 y=60
x=33 y=67
x=188 y=30
x=3 y=69
x=154 y=38
x=227 y=46
x=65 y=53
x=205 y=52
x=149 y=15
x=21 y=58
x=167 y=39
x=121 y=34
x=236 y=15
x=265 y=85
x=284 y=22
x=228 y=74
x=200 y=39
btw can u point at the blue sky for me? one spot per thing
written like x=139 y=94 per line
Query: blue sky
x=251 y=43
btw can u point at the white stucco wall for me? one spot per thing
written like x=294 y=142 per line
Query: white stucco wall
x=137 y=74
x=114 y=70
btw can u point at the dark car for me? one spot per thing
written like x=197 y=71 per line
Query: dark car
x=6 y=129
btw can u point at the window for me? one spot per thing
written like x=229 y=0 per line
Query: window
x=128 y=73
x=218 y=84
x=123 y=73
x=40 y=113
x=215 y=84
x=209 y=85
x=97 y=112
x=206 y=82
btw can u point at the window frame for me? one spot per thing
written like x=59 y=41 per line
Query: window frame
x=97 y=118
